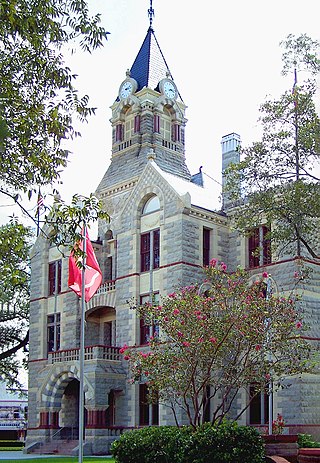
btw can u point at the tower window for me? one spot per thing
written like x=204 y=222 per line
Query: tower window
x=175 y=134
x=205 y=247
x=119 y=132
x=54 y=278
x=156 y=123
x=259 y=247
x=152 y=205
x=137 y=120
x=53 y=332
x=150 y=250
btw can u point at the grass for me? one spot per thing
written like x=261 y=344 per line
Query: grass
x=62 y=460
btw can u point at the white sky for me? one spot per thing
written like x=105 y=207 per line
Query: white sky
x=224 y=57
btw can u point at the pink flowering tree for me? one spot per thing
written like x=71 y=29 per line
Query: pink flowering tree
x=212 y=344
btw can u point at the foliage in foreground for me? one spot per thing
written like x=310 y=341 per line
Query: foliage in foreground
x=210 y=345
x=15 y=242
x=277 y=180
x=226 y=443
x=307 y=441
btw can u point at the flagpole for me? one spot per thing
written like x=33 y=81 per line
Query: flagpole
x=81 y=353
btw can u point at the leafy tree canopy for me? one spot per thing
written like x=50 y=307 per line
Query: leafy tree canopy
x=15 y=242
x=277 y=181
x=38 y=98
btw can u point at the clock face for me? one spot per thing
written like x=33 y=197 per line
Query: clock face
x=126 y=89
x=169 y=89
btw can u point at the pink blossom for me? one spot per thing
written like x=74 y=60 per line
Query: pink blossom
x=200 y=340
x=172 y=295
x=298 y=325
x=296 y=275
x=159 y=307
x=223 y=266
x=265 y=275
x=213 y=340
x=180 y=335
x=176 y=311
x=126 y=357
x=258 y=347
x=213 y=262
x=123 y=348
x=268 y=376
x=166 y=319
x=186 y=344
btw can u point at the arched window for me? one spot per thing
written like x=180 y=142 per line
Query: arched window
x=152 y=205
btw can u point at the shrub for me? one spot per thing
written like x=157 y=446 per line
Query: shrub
x=159 y=444
x=226 y=443
x=307 y=441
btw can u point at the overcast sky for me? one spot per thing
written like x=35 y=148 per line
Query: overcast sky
x=224 y=57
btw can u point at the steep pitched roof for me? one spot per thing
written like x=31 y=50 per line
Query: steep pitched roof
x=150 y=65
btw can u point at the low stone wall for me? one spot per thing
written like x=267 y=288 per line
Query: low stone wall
x=309 y=456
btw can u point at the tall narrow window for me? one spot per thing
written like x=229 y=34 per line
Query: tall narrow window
x=148 y=413
x=259 y=406
x=53 y=332
x=137 y=123
x=175 y=134
x=259 y=247
x=148 y=329
x=143 y=405
x=119 y=132
x=206 y=246
x=146 y=248
x=54 y=277
x=156 y=123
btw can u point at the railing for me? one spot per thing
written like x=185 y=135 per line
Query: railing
x=90 y=353
x=12 y=424
x=106 y=287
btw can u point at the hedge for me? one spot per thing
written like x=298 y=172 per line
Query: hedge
x=226 y=443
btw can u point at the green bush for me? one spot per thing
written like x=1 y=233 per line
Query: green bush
x=158 y=444
x=226 y=443
x=11 y=443
x=307 y=441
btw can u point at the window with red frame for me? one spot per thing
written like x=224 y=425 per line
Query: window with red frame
x=156 y=123
x=175 y=132
x=54 y=277
x=258 y=407
x=259 y=246
x=137 y=123
x=53 y=332
x=147 y=329
x=205 y=247
x=148 y=413
x=145 y=250
x=119 y=132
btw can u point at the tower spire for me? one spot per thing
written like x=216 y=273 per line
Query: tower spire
x=151 y=13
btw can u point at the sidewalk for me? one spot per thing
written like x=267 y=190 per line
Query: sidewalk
x=19 y=455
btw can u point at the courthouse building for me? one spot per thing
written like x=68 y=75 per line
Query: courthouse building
x=166 y=223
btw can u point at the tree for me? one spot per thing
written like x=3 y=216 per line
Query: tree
x=38 y=97
x=15 y=242
x=276 y=181
x=210 y=345
x=38 y=104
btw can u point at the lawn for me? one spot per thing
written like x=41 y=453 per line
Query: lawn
x=61 y=460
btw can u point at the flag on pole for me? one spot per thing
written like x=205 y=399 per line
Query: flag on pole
x=93 y=274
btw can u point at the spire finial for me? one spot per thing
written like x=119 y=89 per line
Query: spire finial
x=151 y=13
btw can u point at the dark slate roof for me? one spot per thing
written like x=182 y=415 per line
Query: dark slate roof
x=150 y=65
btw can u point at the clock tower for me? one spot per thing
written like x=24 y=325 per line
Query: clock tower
x=148 y=116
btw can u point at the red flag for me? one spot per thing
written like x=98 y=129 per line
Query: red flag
x=93 y=275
